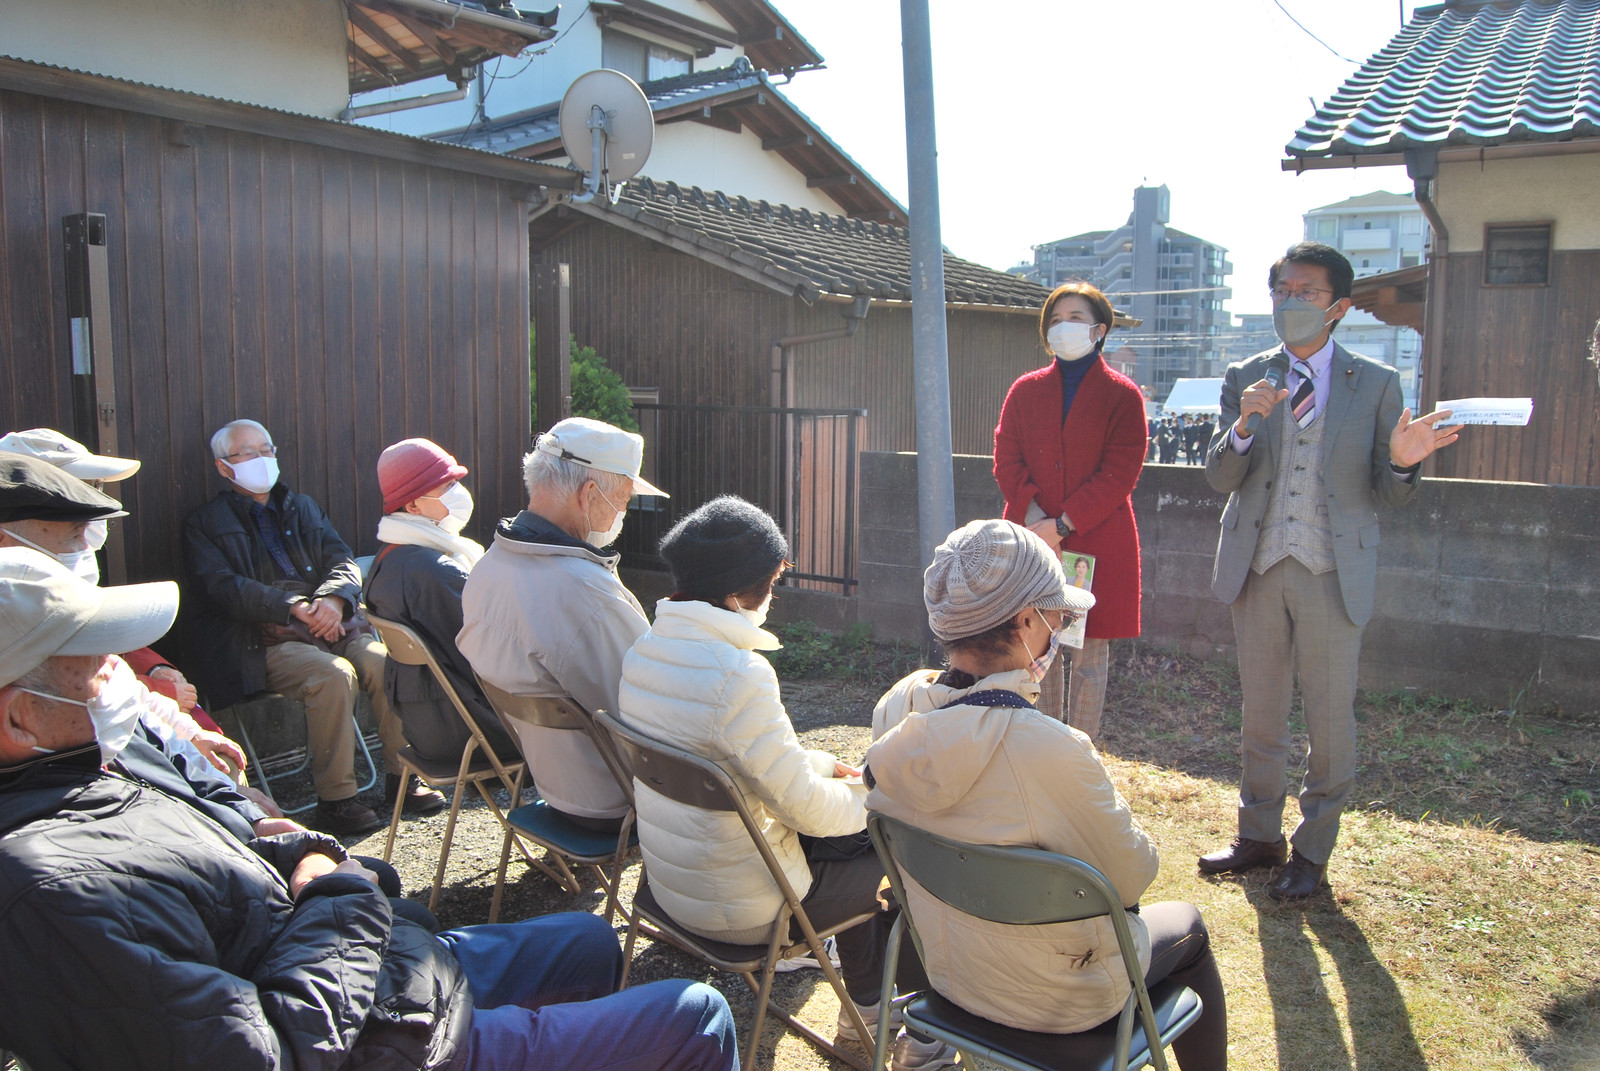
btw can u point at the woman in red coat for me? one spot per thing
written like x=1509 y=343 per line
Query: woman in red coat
x=1067 y=453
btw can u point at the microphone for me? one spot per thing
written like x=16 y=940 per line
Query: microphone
x=1276 y=374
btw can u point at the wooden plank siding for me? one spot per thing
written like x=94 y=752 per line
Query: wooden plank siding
x=1524 y=342
x=703 y=335
x=344 y=300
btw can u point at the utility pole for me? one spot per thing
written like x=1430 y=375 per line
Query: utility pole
x=936 y=494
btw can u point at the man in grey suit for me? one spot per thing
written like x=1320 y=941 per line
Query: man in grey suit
x=1298 y=553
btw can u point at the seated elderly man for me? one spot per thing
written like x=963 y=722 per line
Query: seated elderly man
x=97 y=470
x=275 y=594
x=416 y=578
x=191 y=949
x=546 y=615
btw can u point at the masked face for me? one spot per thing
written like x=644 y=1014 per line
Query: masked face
x=80 y=561
x=758 y=616
x=1299 y=322
x=457 y=501
x=1040 y=665
x=608 y=536
x=257 y=475
x=1071 y=341
x=114 y=710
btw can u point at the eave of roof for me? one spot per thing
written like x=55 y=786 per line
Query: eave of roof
x=1465 y=75
x=392 y=42
x=769 y=39
x=1397 y=298
x=1375 y=199
x=63 y=83
x=730 y=98
x=805 y=254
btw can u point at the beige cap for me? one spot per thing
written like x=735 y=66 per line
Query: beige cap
x=987 y=572
x=69 y=455
x=47 y=611
x=599 y=446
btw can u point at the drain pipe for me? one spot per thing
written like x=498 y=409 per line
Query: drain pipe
x=1422 y=166
x=780 y=366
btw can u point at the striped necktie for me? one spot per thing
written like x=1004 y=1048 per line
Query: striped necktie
x=1304 y=402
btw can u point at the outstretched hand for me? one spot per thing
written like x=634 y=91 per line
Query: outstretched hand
x=1413 y=440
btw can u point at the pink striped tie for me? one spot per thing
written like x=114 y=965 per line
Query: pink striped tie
x=1304 y=402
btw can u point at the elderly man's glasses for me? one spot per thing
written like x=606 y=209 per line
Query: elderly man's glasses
x=251 y=454
x=1313 y=294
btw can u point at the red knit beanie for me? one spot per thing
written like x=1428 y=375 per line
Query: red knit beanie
x=411 y=468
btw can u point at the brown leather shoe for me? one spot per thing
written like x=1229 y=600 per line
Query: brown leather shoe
x=420 y=798
x=1300 y=879
x=344 y=818
x=1245 y=854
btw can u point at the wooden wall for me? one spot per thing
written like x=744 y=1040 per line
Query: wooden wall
x=1520 y=342
x=343 y=300
x=703 y=335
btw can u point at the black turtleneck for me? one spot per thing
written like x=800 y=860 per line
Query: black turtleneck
x=1072 y=373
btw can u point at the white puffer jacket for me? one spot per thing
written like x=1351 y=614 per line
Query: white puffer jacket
x=695 y=681
x=999 y=775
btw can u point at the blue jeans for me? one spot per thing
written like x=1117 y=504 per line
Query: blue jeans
x=544 y=995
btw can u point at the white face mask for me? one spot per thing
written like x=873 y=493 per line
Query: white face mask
x=114 y=711
x=94 y=536
x=758 y=616
x=81 y=563
x=458 y=500
x=609 y=536
x=1071 y=341
x=258 y=475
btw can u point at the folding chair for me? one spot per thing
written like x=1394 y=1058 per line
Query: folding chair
x=237 y=712
x=1021 y=887
x=478 y=762
x=564 y=840
x=693 y=781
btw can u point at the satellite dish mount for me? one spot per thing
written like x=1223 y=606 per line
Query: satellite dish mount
x=608 y=130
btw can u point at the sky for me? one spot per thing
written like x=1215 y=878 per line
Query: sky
x=1050 y=112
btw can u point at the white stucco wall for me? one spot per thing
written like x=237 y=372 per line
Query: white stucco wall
x=1565 y=189
x=693 y=154
x=286 y=54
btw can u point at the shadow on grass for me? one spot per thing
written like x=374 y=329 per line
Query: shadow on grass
x=1305 y=1016
x=1573 y=1043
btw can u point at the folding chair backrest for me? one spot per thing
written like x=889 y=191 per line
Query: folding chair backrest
x=549 y=711
x=676 y=774
x=998 y=883
x=409 y=649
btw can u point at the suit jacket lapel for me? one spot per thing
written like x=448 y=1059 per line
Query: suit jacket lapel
x=1342 y=376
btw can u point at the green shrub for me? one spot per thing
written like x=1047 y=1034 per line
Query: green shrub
x=597 y=391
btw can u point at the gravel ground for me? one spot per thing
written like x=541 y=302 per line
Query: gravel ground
x=831 y=715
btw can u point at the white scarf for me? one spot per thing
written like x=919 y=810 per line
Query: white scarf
x=413 y=531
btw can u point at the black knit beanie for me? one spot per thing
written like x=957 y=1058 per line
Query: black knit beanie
x=725 y=546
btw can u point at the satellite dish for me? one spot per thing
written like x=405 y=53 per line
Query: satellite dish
x=608 y=129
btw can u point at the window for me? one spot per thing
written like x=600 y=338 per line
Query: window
x=1411 y=224
x=1327 y=229
x=641 y=60
x=1366 y=225
x=1409 y=260
x=1516 y=254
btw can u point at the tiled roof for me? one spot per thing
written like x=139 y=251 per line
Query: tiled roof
x=1469 y=73
x=539 y=126
x=807 y=253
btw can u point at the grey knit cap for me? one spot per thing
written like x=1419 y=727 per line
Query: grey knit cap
x=989 y=571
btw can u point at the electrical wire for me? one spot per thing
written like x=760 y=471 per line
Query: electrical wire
x=480 y=113
x=1311 y=35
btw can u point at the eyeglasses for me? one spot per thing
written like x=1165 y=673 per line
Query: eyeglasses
x=1305 y=293
x=268 y=450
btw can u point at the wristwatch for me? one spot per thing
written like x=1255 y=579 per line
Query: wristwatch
x=1063 y=529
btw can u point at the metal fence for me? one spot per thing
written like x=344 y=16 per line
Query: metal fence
x=800 y=465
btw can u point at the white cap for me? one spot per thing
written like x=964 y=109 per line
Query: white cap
x=47 y=611
x=69 y=455
x=599 y=446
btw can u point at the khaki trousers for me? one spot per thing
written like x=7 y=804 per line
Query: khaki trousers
x=1084 y=697
x=326 y=684
x=1291 y=622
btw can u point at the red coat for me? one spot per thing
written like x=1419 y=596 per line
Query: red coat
x=1085 y=468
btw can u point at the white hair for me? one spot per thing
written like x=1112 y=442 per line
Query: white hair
x=540 y=469
x=222 y=439
x=47 y=676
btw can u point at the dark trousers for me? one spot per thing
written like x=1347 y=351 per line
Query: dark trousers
x=1180 y=949
x=841 y=888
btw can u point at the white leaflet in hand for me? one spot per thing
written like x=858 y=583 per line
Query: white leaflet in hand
x=1511 y=412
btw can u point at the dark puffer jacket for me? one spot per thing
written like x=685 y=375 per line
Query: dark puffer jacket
x=136 y=933
x=230 y=593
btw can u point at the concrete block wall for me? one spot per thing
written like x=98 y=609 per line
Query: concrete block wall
x=1487 y=591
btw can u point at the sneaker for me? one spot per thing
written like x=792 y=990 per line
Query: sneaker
x=808 y=961
x=344 y=818
x=421 y=799
x=869 y=1013
x=913 y=1055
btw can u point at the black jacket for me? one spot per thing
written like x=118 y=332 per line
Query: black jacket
x=230 y=592
x=136 y=933
x=421 y=587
